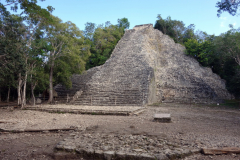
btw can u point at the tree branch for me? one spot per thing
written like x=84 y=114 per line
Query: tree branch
x=10 y=3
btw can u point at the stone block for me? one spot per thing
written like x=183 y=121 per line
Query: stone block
x=164 y=118
x=120 y=155
x=108 y=155
x=38 y=101
x=146 y=156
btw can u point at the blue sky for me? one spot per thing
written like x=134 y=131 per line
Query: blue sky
x=202 y=13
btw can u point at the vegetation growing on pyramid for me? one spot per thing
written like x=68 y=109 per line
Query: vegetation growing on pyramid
x=220 y=53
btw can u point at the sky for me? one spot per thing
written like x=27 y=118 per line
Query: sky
x=201 y=13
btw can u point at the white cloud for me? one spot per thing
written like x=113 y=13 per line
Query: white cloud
x=223 y=18
x=223 y=22
x=222 y=25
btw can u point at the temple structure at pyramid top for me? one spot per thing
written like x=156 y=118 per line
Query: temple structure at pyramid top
x=146 y=67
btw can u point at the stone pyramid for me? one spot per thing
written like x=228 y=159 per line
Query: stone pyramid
x=146 y=67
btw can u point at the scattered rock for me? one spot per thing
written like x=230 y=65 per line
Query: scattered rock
x=120 y=146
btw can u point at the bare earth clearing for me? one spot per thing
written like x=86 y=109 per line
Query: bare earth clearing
x=193 y=127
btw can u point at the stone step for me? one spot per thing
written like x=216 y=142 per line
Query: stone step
x=89 y=100
x=88 y=104
x=112 y=102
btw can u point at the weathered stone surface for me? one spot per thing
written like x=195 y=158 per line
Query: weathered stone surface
x=118 y=147
x=146 y=67
x=93 y=110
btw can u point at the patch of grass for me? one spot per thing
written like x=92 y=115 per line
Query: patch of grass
x=227 y=104
x=231 y=103
x=155 y=104
x=59 y=112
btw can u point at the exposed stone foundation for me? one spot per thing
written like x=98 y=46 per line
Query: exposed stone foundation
x=146 y=67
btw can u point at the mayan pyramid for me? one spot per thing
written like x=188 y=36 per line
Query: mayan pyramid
x=146 y=67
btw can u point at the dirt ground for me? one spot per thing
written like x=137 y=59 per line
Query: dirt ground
x=193 y=127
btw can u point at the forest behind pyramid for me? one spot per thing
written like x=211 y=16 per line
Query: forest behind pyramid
x=146 y=67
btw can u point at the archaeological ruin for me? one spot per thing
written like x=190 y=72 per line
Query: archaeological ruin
x=145 y=67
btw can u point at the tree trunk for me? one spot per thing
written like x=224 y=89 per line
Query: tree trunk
x=19 y=89
x=33 y=85
x=33 y=97
x=24 y=92
x=8 y=94
x=0 y=96
x=50 y=100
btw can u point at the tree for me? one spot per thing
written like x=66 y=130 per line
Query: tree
x=104 y=41
x=221 y=53
x=28 y=7
x=189 y=33
x=123 y=23
x=89 y=30
x=228 y=45
x=33 y=21
x=230 y=6
x=66 y=51
x=203 y=51
x=32 y=16
x=175 y=29
x=12 y=48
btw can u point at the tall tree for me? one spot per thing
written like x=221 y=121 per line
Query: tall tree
x=12 y=48
x=33 y=21
x=89 y=30
x=32 y=15
x=66 y=51
x=228 y=45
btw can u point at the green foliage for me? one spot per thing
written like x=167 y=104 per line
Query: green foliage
x=89 y=30
x=21 y=52
x=203 y=51
x=37 y=42
x=175 y=29
x=104 y=41
x=66 y=51
x=27 y=6
x=11 y=49
x=230 y=6
x=228 y=45
x=228 y=48
x=221 y=53
x=123 y=23
x=42 y=78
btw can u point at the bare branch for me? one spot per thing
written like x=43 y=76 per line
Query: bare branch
x=10 y=3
